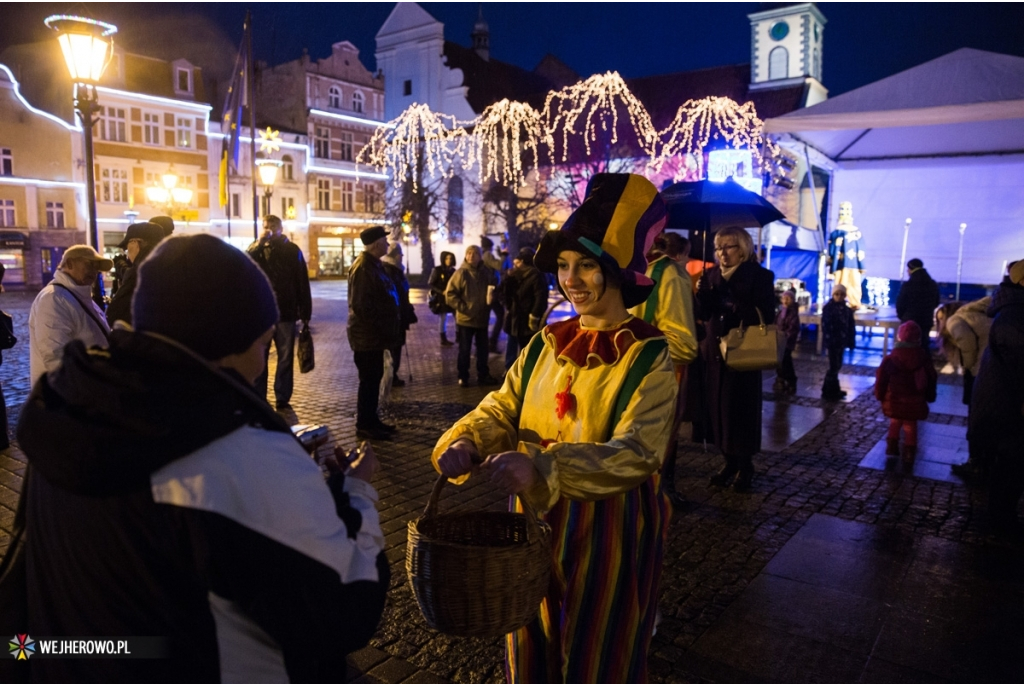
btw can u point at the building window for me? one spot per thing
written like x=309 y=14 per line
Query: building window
x=347 y=196
x=322 y=142
x=151 y=128
x=184 y=132
x=288 y=208
x=7 y=213
x=778 y=63
x=184 y=80
x=346 y=147
x=112 y=124
x=55 y=215
x=817 y=63
x=288 y=168
x=369 y=199
x=113 y=186
x=236 y=205
x=407 y=87
x=455 y=206
x=323 y=194
x=357 y=102
x=334 y=97
x=6 y=162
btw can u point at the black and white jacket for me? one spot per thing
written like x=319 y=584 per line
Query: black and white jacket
x=166 y=499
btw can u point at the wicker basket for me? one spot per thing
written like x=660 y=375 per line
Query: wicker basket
x=479 y=574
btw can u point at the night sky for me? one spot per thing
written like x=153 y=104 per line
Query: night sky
x=863 y=41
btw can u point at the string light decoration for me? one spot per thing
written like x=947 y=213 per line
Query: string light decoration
x=419 y=140
x=594 y=104
x=698 y=122
x=505 y=133
x=878 y=291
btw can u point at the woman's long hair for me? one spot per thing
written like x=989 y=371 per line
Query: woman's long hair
x=946 y=343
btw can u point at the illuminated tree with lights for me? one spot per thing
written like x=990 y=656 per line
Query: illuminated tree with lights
x=420 y=149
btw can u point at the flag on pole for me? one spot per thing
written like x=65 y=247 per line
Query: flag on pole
x=231 y=120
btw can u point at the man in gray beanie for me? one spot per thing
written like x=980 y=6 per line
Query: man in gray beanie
x=166 y=498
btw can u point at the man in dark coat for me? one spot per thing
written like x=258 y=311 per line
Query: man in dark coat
x=138 y=242
x=997 y=405
x=524 y=291
x=283 y=263
x=392 y=263
x=374 y=325
x=918 y=298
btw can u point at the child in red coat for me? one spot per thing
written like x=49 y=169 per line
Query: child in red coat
x=905 y=384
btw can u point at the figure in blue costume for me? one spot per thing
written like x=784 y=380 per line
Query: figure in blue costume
x=846 y=255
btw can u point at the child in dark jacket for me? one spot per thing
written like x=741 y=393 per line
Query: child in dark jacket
x=840 y=333
x=788 y=323
x=905 y=384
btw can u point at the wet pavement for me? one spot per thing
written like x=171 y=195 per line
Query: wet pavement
x=838 y=567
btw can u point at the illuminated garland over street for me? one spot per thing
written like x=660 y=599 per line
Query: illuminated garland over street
x=508 y=135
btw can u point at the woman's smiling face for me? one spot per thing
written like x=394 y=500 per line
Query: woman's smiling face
x=583 y=282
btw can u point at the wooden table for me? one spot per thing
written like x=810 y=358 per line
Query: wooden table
x=866 y=318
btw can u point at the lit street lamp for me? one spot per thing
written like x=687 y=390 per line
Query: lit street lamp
x=87 y=46
x=168 y=194
x=268 y=169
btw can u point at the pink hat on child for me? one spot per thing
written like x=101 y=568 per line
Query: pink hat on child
x=909 y=332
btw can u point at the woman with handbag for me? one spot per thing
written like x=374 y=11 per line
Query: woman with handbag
x=579 y=431
x=737 y=291
x=438 y=284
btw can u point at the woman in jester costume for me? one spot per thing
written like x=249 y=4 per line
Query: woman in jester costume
x=579 y=430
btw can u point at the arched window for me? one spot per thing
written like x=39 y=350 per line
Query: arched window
x=778 y=63
x=357 y=102
x=455 y=210
x=817 y=64
x=334 y=97
x=288 y=169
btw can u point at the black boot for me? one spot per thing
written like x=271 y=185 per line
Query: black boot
x=726 y=474
x=745 y=475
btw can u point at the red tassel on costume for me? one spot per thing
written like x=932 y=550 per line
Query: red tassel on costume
x=565 y=401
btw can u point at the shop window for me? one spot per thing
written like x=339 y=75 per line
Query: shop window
x=346 y=147
x=113 y=186
x=151 y=128
x=287 y=168
x=322 y=142
x=55 y=215
x=334 y=97
x=183 y=135
x=7 y=213
x=357 y=102
x=6 y=162
x=323 y=194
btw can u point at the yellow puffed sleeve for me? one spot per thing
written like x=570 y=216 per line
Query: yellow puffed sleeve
x=674 y=312
x=578 y=455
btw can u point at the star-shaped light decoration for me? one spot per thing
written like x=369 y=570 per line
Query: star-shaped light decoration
x=270 y=140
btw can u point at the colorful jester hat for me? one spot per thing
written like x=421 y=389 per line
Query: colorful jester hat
x=616 y=224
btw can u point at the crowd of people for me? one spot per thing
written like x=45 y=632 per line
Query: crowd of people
x=160 y=474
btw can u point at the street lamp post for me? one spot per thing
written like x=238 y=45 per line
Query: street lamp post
x=268 y=169
x=87 y=46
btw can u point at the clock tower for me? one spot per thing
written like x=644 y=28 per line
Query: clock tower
x=786 y=49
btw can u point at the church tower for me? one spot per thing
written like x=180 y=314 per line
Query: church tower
x=786 y=49
x=482 y=37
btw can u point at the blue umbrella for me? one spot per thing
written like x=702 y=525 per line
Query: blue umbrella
x=703 y=207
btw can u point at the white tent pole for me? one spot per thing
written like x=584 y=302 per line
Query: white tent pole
x=960 y=260
x=903 y=254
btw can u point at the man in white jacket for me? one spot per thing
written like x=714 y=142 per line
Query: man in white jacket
x=64 y=310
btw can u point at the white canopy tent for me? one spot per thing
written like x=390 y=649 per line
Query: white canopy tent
x=941 y=143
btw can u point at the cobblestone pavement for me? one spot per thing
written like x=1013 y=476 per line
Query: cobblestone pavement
x=718 y=544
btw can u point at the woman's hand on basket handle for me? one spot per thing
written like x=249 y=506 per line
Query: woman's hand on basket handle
x=459 y=459
x=512 y=471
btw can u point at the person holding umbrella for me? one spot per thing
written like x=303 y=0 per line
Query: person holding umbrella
x=737 y=291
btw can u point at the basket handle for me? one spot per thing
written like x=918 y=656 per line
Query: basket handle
x=532 y=529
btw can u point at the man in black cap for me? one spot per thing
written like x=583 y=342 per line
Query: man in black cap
x=283 y=263
x=166 y=499
x=164 y=222
x=374 y=325
x=138 y=242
